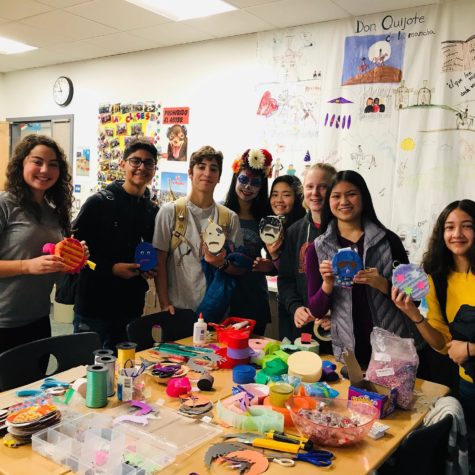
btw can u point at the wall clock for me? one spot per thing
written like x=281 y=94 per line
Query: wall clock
x=63 y=91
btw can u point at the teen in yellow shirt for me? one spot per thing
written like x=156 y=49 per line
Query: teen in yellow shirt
x=451 y=256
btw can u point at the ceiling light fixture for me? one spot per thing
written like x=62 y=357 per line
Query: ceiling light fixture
x=8 y=46
x=178 y=10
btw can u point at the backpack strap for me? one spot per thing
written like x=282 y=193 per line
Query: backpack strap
x=181 y=222
x=224 y=217
x=440 y=285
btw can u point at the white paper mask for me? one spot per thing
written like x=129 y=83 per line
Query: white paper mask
x=270 y=228
x=214 y=237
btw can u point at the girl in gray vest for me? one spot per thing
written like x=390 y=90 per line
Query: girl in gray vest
x=349 y=220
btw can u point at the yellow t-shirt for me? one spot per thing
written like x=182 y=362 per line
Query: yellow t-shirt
x=460 y=290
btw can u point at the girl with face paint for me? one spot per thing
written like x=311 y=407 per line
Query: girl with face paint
x=349 y=220
x=247 y=196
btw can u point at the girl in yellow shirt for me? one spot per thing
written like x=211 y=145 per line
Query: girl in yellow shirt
x=450 y=259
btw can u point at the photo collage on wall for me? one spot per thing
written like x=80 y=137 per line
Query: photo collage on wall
x=119 y=123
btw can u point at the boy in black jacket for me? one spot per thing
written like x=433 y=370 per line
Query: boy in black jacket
x=113 y=223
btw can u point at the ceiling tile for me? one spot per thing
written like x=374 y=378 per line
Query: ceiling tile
x=125 y=42
x=62 y=3
x=287 y=13
x=248 y=3
x=33 y=36
x=117 y=14
x=230 y=24
x=367 y=7
x=15 y=10
x=73 y=26
x=35 y=59
x=82 y=49
x=172 y=33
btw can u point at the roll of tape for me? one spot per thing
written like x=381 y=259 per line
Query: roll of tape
x=125 y=352
x=243 y=374
x=313 y=346
x=306 y=365
x=102 y=352
x=321 y=334
x=96 y=389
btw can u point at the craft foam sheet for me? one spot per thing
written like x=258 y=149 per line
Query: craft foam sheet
x=412 y=280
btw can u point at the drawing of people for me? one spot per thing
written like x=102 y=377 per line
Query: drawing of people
x=369 y=105
x=177 y=143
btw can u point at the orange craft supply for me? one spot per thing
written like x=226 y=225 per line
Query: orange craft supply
x=72 y=251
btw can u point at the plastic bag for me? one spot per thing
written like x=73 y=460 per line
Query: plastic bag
x=393 y=363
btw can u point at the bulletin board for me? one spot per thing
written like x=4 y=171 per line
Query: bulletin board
x=119 y=123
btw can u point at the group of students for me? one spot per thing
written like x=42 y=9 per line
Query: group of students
x=325 y=213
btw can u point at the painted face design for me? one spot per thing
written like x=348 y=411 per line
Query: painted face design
x=345 y=264
x=146 y=255
x=214 y=237
x=247 y=185
x=270 y=228
x=412 y=280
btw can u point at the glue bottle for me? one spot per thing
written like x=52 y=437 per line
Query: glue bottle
x=199 y=332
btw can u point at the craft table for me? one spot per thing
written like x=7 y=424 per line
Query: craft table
x=361 y=459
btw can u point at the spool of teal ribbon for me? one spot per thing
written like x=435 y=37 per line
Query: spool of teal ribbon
x=96 y=389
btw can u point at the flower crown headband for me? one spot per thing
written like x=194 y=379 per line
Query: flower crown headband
x=255 y=159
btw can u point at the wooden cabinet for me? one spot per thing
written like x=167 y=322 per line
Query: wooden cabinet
x=4 y=151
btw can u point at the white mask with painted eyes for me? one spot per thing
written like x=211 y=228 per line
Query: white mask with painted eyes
x=214 y=237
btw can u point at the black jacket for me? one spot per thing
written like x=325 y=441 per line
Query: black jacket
x=112 y=228
x=292 y=281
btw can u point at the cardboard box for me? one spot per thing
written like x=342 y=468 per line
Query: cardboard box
x=379 y=396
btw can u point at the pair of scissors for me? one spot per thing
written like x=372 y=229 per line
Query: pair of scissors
x=320 y=458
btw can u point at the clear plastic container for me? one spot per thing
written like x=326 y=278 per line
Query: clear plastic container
x=92 y=444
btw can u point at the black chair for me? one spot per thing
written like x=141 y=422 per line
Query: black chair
x=174 y=327
x=424 y=451
x=27 y=363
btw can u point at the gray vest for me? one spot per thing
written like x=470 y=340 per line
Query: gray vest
x=377 y=253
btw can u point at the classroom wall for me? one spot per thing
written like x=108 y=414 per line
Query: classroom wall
x=291 y=90
x=215 y=79
x=2 y=98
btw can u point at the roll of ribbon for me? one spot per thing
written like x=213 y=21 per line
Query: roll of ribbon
x=274 y=366
x=279 y=393
x=258 y=343
x=178 y=386
x=313 y=346
x=306 y=365
x=238 y=339
x=239 y=354
x=125 y=352
x=102 y=352
x=257 y=357
x=96 y=389
x=109 y=362
x=205 y=383
x=243 y=374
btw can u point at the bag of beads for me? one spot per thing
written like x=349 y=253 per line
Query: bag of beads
x=393 y=363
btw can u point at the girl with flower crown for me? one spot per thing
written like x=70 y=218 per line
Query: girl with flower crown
x=247 y=196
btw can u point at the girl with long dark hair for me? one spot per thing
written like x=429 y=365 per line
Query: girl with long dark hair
x=34 y=210
x=247 y=196
x=349 y=220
